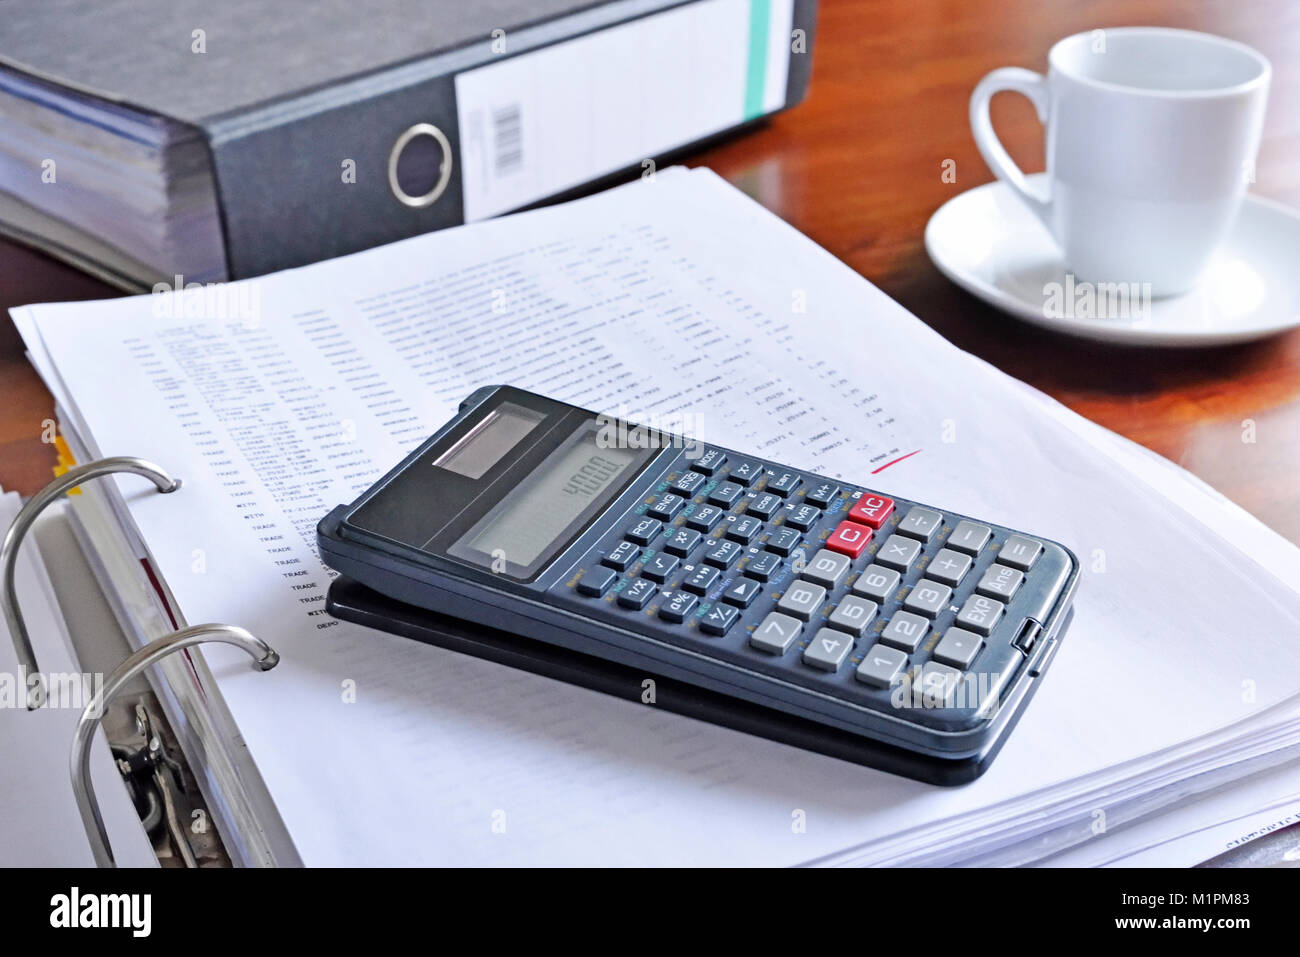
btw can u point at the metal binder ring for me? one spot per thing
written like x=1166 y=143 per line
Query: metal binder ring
x=444 y=177
x=23 y=522
x=263 y=654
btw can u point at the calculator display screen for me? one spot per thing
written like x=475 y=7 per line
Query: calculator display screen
x=544 y=509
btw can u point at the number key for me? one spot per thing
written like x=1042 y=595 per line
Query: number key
x=937 y=684
x=905 y=631
x=826 y=568
x=776 y=634
x=876 y=582
x=853 y=615
x=801 y=599
x=827 y=650
x=882 y=666
x=927 y=598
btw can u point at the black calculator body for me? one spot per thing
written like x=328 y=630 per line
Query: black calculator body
x=833 y=616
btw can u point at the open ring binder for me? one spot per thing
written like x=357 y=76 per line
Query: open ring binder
x=24 y=520
x=264 y=656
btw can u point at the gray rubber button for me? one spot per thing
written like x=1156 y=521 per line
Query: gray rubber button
x=958 y=648
x=876 y=582
x=1020 y=551
x=980 y=614
x=801 y=599
x=999 y=581
x=927 y=598
x=898 y=552
x=921 y=523
x=826 y=568
x=905 y=631
x=827 y=650
x=853 y=615
x=937 y=684
x=969 y=536
x=776 y=634
x=882 y=666
x=948 y=567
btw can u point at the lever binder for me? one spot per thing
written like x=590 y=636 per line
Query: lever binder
x=329 y=127
x=135 y=664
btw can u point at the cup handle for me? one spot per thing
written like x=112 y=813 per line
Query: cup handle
x=1032 y=85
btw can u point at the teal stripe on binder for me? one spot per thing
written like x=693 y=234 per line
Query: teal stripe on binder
x=760 y=16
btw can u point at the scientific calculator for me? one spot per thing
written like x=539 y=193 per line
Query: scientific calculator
x=706 y=580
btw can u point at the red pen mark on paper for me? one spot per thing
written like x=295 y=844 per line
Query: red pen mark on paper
x=894 y=462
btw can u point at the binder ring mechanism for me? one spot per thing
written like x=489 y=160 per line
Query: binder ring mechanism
x=444 y=173
x=263 y=655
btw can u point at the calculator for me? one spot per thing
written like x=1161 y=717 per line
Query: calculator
x=830 y=615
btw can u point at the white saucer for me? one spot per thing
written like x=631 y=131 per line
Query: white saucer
x=989 y=244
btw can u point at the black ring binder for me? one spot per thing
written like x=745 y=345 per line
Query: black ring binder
x=264 y=656
x=23 y=522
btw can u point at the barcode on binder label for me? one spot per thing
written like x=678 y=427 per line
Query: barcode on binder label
x=542 y=122
x=507 y=139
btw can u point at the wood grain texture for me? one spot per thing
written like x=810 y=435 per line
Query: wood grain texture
x=857 y=167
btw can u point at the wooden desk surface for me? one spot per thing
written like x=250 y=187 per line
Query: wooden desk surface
x=857 y=167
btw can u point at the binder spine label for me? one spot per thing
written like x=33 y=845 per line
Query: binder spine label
x=534 y=125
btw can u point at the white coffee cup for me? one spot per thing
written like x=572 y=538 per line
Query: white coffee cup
x=1151 y=141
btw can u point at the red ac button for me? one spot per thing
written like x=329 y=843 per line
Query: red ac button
x=871 y=510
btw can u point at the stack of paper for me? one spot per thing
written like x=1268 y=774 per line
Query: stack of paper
x=118 y=191
x=1180 y=674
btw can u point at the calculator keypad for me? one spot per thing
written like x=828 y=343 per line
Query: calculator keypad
x=704 y=518
x=871 y=510
x=836 y=588
x=726 y=495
